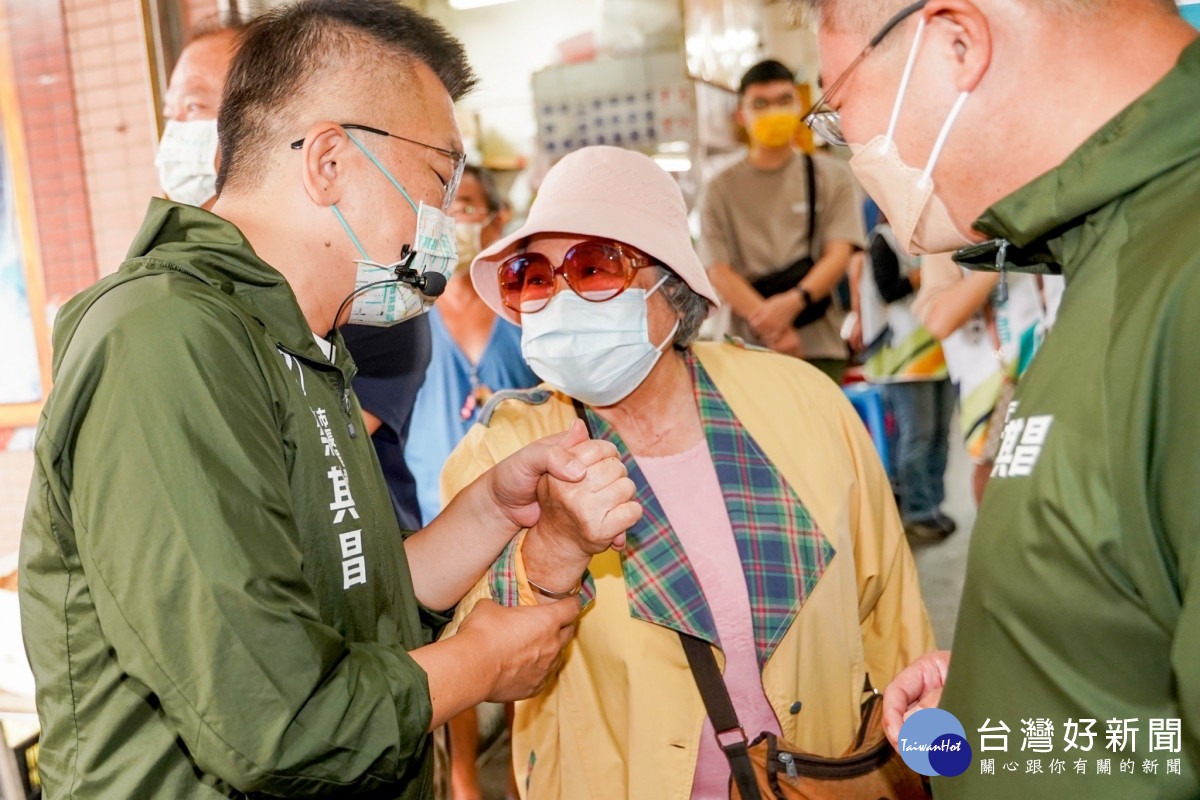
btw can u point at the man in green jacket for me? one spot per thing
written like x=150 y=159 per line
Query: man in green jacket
x=1063 y=136
x=216 y=598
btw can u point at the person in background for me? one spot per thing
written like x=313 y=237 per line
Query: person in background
x=187 y=157
x=989 y=336
x=755 y=217
x=769 y=529
x=391 y=365
x=475 y=353
x=391 y=360
x=911 y=371
x=207 y=532
x=1056 y=137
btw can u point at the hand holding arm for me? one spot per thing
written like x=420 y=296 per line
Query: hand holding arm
x=450 y=553
x=581 y=519
x=498 y=654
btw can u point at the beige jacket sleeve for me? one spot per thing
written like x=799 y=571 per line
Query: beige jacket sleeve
x=892 y=617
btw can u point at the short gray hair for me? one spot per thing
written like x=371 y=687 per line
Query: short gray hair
x=867 y=16
x=692 y=308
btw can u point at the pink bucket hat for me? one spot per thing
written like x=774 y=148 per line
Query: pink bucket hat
x=610 y=193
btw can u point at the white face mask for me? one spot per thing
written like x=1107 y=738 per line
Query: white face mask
x=919 y=217
x=433 y=251
x=595 y=352
x=187 y=161
x=469 y=236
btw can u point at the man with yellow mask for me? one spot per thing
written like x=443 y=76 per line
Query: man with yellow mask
x=772 y=261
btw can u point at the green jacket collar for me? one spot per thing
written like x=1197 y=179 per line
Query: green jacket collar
x=211 y=249
x=1151 y=136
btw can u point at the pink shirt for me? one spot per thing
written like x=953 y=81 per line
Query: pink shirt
x=687 y=488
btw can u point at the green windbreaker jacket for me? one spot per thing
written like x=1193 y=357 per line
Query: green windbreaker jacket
x=1081 y=610
x=214 y=592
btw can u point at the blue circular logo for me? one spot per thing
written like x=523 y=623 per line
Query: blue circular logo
x=933 y=742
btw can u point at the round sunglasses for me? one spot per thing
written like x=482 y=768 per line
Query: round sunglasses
x=594 y=270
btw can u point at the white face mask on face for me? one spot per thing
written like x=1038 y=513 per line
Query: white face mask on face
x=433 y=251
x=906 y=195
x=187 y=161
x=469 y=236
x=597 y=353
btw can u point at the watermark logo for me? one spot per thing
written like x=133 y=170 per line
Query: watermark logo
x=933 y=742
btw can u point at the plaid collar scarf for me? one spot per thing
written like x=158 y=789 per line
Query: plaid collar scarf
x=783 y=553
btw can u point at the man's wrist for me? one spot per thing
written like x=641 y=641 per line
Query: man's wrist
x=806 y=298
x=481 y=647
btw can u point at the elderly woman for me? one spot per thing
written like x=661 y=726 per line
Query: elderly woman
x=769 y=530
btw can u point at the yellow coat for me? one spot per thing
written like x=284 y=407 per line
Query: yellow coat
x=623 y=717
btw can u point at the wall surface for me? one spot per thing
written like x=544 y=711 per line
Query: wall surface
x=507 y=43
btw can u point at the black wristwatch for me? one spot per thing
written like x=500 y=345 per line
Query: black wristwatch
x=805 y=296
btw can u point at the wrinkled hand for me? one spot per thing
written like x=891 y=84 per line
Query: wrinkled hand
x=788 y=343
x=514 y=481
x=580 y=519
x=776 y=314
x=522 y=644
x=918 y=686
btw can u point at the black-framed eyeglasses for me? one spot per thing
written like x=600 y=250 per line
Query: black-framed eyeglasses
x=457 y=158
x=822 y=118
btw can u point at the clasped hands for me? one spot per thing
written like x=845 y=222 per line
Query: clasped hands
x=580 y=509
x=772 y=323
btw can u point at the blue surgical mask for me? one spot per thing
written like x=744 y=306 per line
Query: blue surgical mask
x=435 y=250
x=595 y=352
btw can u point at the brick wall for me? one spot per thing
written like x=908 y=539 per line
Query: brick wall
x=81 y=73
x=117 y=128
x=41 y=71
x=199 y=11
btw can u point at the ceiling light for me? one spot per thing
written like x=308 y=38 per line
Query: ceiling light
x=467 y=5
x=673 y=163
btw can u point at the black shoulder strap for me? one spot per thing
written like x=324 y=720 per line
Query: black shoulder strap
x=720 y=710
x=581 y=412
x=812 y=206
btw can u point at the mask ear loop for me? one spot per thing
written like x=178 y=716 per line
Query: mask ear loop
x=382 y=169
x=353 y=238
x=904 y=79
x=941 y=140
x=656 y=286
x=357 y=244
x=670 y=336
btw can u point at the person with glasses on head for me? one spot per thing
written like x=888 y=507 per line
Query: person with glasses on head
x=475 y=352
x=208 y=533
x=1057 y=137
x=769 y=530
x=756 y=219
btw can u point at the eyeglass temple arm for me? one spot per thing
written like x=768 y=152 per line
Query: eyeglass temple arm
x=299 y=143
x=887 y=28
x=899 y=17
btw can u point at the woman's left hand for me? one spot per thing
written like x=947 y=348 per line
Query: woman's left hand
x=580 y=520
